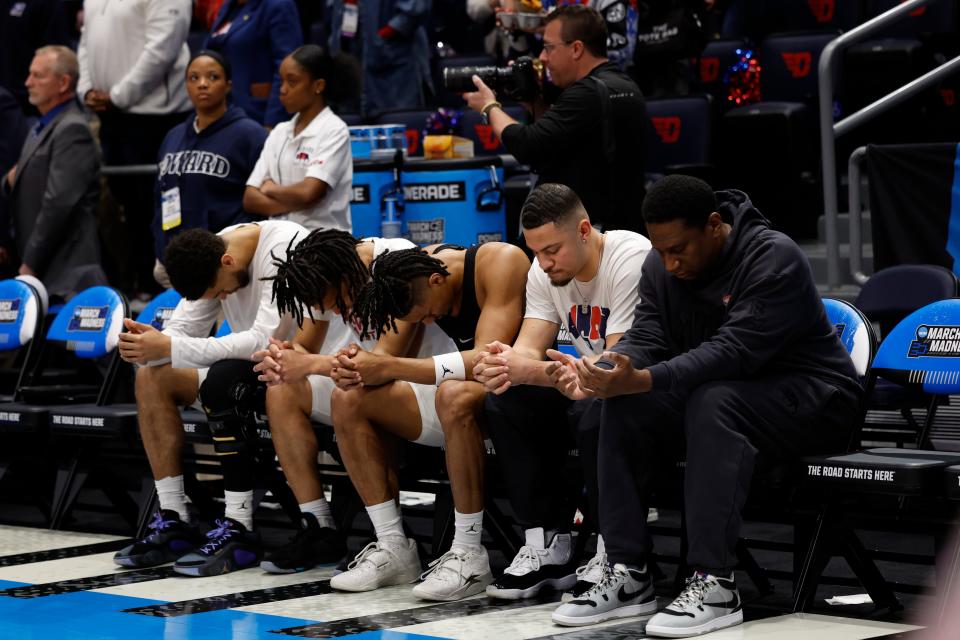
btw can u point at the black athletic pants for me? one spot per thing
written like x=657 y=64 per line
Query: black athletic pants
x=723 y=427
x=230 y=395
x=533 y=428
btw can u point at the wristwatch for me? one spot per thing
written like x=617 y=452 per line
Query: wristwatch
x=485 y=112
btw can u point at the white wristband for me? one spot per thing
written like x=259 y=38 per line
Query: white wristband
x=449 y=366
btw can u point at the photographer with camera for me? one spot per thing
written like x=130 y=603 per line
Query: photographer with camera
x=593 y=137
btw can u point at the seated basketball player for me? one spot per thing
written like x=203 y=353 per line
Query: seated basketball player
x=476 y=297
x=214 y=273
x=324 y=274
x=582 y=289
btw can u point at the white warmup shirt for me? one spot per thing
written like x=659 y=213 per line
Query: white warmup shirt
x=588 y=312
x=341 y=334
x=250 y=311
x=321 y=151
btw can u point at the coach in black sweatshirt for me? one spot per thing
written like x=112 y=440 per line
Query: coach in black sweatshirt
x=730 y=351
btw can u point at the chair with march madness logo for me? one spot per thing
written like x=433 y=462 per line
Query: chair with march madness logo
x=888 y=488
x=22 y=310
x=889 y=296
x=21 y=324
x=84 y=336
x=678 y=140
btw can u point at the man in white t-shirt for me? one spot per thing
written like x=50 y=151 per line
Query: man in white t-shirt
x=581 y=292
x=320 y=277
x=183 y=364
x=305 y=177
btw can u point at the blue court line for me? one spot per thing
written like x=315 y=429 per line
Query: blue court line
x=85 y=615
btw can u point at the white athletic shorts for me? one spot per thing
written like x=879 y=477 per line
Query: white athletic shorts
x=431 y=433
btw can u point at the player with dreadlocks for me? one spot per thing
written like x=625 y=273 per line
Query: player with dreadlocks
x=317 y=281
x=476 y=297
x=229 y=273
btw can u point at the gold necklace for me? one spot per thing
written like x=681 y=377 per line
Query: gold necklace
x=584 y=306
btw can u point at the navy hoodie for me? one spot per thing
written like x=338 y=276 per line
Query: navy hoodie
x=210 y=168
x=755 y=313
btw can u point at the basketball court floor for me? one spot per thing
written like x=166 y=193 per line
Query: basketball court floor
x=57 y=584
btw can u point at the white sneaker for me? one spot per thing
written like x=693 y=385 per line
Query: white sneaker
x=707 y=603
x=587 y=576
x=536 y=566
x=393 y=560
x=457 y=574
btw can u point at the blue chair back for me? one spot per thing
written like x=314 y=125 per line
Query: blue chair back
x=679 y=132
x=923 y=350
x=90 y=323
x=855 y=332
x=21 y=315
x=159 y=310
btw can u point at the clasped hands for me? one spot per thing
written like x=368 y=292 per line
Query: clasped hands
x=352 y=366
x=498 y=368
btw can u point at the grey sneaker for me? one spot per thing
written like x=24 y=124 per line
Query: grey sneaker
x=707 y=603
x=619 y=593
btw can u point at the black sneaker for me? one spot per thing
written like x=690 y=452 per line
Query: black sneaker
x=169 y=539
x=312 y=545
x=535 y=567
x=230 y=547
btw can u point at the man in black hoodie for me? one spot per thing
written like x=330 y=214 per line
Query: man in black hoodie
x=730 y=351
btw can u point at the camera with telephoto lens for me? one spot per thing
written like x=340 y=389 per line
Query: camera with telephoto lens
x=519 y=81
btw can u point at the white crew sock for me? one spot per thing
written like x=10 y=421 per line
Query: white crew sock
x=601 y=548
x=171 y=496
x=386 y=519
x=468 y=529
x=320 y=509
x=239 y=507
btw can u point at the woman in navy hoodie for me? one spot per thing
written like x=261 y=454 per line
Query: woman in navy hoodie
x=204 y=162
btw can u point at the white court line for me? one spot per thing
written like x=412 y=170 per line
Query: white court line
x=190 y=588
x=342 y=605
x=16 y=540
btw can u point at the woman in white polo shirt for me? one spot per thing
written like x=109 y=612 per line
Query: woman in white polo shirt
x=305 y=171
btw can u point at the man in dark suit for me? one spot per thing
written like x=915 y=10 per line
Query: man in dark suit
x=54 y=187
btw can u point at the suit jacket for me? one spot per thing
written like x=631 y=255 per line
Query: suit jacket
x=53 y=203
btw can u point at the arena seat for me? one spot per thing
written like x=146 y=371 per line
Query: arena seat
x=933 y=18
x=886 y=298
x=714 y=63
x=820 y=14
x=21 y=324
x=678 y=140
x=921 y=351
x=22 y=313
